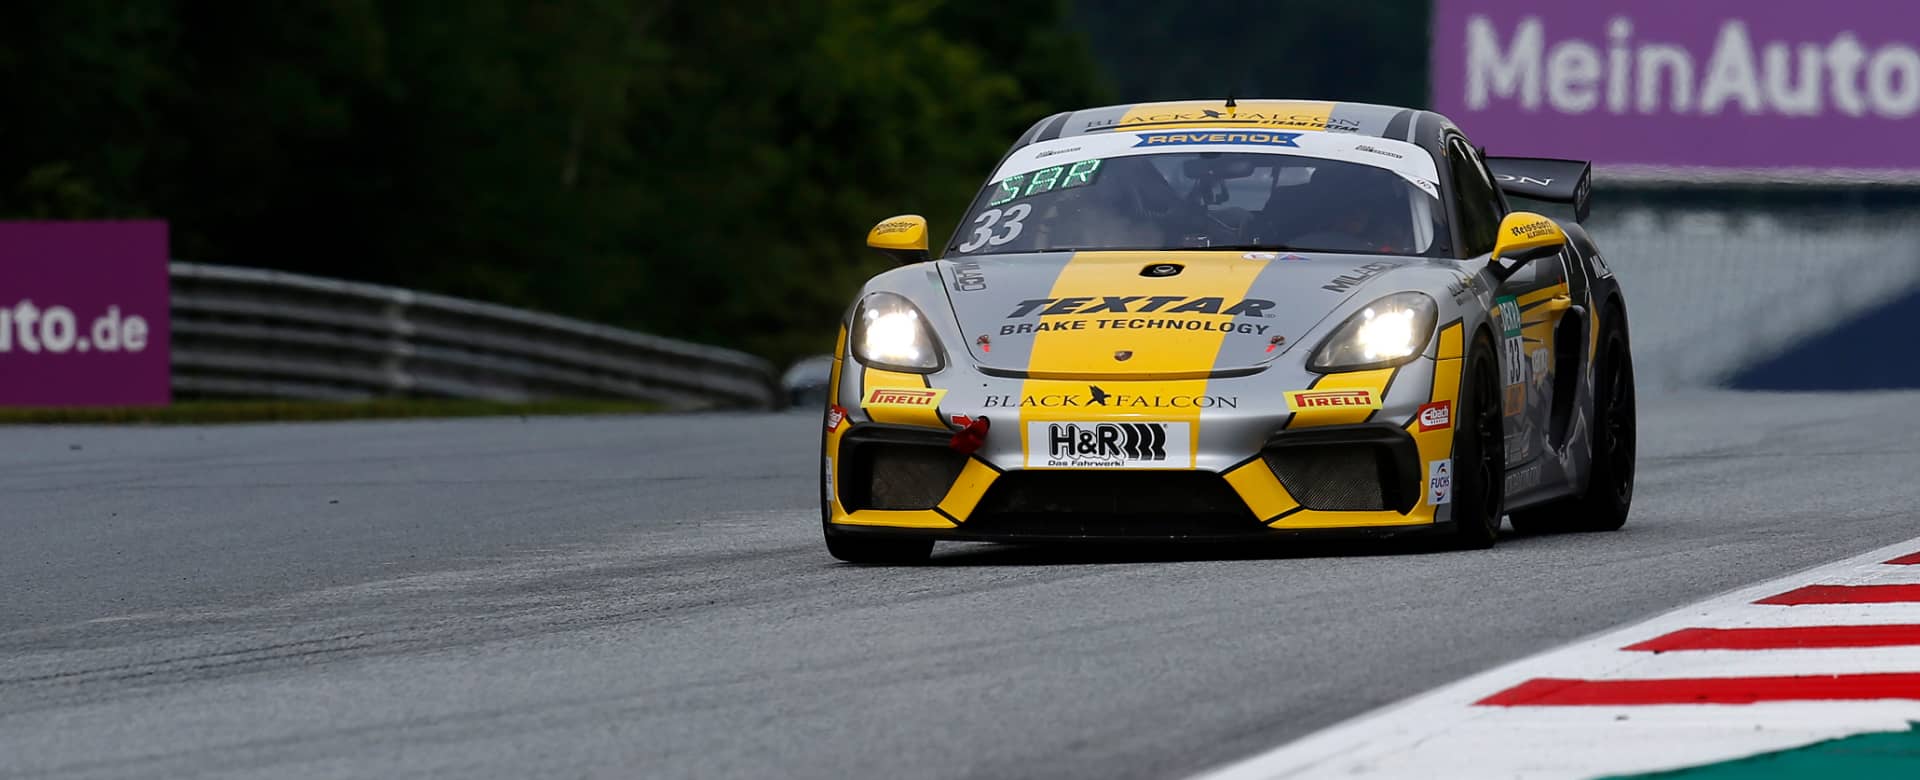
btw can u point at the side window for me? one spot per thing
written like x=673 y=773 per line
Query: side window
x=1479 y=201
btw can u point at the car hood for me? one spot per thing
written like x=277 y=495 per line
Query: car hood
x=1161 y=315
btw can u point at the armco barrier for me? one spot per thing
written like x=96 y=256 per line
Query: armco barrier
x=258 y=333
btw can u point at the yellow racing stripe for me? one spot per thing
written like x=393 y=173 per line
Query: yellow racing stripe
x=1157 y=362
x=1451 y=346
x=1262 y=491
x=969 y=488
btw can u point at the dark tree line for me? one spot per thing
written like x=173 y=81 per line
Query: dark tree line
x=696 y=169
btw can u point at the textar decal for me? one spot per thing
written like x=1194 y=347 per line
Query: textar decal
x=1305 y=400
x=1092 y=445
x=1346 y=281
x=902 y=398
x=1143 y=304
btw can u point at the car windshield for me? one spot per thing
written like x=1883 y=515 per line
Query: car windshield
x=1197 y=200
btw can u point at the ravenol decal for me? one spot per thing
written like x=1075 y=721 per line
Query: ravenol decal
x=1306 y=400
x=1244 y=137
x=902 y=398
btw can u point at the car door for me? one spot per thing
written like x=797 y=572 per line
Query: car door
x=1530 y=304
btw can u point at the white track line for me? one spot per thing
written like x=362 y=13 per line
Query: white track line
x=1441 y=734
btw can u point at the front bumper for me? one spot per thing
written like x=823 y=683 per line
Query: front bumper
x=1251 y=466
x=1233 y=457
x=1359 y=476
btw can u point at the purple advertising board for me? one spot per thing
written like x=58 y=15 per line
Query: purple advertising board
x=83 y=314
x=1730 y=85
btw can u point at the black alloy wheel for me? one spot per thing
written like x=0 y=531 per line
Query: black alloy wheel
x=1479 y=452
x=1609 y=493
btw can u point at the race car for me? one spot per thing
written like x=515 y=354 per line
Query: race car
x=1207 y=320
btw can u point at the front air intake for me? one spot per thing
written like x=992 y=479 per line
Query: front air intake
x=1347 y=468
x=1110 y=504
x=896 y=468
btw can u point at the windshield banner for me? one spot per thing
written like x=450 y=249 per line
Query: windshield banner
x=83 y=314
x=1638 y=86
x=1400 y=157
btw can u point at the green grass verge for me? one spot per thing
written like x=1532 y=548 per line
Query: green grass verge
x=195 y=412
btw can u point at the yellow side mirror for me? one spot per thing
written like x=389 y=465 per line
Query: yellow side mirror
x=903 y=238
x=1526 y=236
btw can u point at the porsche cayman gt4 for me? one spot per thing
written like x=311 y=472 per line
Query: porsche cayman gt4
x=1207 y=320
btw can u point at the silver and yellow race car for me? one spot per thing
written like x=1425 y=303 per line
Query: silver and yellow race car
x=1215 y=320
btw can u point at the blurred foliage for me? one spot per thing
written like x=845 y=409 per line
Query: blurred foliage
x=696 y=169
x=703 y=170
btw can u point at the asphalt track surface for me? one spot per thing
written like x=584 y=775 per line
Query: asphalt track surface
x=648 y=597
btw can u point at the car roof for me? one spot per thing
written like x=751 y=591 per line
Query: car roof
x=1394 y=122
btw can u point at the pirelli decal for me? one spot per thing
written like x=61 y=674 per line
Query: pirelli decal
x=1306 y=400
x=902 y=398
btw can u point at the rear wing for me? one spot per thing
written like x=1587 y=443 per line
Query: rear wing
x=1545 y=178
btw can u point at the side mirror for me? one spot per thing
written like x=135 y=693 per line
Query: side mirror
x=903 y=238
x=1525 y=237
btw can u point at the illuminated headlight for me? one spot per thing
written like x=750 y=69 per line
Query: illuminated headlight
x=1388 y=332
x=888 y=332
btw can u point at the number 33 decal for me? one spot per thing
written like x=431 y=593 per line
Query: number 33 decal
x=1009 y=219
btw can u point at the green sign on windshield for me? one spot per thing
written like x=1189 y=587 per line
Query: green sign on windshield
x=1059 y=177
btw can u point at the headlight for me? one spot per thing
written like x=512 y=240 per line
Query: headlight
x=888 y=332
x=1388 y=332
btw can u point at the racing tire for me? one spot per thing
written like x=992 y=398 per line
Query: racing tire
x=1479 y=452
x=854 y=549
x=1609 y=493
